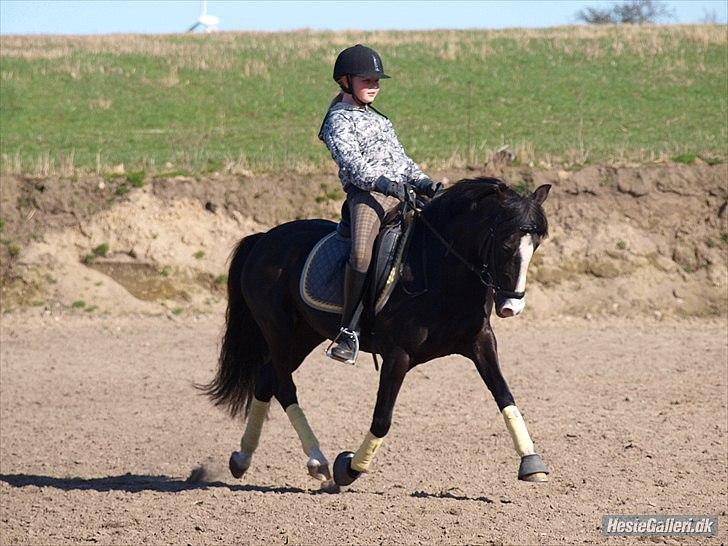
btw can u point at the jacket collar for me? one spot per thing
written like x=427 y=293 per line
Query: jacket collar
x=346 y=106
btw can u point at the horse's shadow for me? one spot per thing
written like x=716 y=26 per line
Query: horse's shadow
x=134 y=483
x=450 y=495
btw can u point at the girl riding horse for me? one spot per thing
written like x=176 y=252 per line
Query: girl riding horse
x=373 y=168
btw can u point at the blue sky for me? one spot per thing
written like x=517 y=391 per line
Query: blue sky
x=168 y=16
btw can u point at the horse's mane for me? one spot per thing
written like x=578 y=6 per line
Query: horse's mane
x=470 y=194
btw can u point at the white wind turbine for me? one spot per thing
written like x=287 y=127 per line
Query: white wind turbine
x=209 y=22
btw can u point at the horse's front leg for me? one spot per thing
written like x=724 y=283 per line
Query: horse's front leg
x=349 y=466
x=484 y=352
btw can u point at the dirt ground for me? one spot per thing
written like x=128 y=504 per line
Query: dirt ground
x=101 y=427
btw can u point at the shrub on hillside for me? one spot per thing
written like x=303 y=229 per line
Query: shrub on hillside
x=636 y=12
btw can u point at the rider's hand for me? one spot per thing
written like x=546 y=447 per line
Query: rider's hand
x=390 y=188
x=428 y=187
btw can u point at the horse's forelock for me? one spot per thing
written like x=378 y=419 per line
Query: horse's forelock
x=525 y=211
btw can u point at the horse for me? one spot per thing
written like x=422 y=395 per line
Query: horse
x=472 y=243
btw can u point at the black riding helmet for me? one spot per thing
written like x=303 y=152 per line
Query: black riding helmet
x=358 y=60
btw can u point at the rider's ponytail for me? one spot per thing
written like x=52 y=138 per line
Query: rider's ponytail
x=336 y=100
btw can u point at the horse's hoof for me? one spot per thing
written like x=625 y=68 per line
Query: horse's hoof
x=318 y=471
x=533 y=469
x=536 y=477
x=318 y=466
x=239 y=463
x=343 y=473
x=330 y=486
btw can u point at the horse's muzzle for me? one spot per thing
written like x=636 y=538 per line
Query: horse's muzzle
x=510 y=307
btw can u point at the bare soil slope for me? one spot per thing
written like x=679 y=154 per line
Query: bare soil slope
x=635 y=240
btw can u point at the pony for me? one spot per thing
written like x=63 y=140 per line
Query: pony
x=470 y=249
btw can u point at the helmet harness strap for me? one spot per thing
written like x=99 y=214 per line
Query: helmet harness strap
x=350 y=89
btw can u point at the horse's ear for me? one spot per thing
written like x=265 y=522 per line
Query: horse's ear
x=500 y=192
x=541 y=193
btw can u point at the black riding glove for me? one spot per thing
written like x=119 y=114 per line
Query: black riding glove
x=427 y=187
x=390 y=188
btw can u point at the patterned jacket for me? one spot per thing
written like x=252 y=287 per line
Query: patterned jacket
x=365 y=147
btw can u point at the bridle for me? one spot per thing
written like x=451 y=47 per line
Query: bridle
x=487 y=248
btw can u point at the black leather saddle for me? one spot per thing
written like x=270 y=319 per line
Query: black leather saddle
x=323 y=273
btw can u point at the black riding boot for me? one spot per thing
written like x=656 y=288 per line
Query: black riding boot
x=347 y=342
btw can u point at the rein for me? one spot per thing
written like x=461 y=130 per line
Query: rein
x=483 y=272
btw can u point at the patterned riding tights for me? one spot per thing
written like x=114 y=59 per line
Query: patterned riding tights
x=367 y=211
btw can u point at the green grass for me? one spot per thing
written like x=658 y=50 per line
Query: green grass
x=688 y=158
x=204 y=102
x=329 y=194
x=101 y=250
x=136 y=178
x=13 y=248
x=522 y=187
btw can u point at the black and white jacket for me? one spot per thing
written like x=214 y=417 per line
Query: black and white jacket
x=364 y=145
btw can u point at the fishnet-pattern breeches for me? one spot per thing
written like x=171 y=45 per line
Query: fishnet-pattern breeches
x=367 y=211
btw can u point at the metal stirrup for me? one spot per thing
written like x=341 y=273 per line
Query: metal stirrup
x=351 y=335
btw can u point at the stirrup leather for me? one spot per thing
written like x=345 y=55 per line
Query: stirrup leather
x=352 y=335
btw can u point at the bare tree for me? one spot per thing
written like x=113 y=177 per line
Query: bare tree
x=636 y=12
x=596 y=16
x=709 y=17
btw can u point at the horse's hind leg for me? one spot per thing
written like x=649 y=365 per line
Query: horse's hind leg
x=265 y=384
x=485 y=355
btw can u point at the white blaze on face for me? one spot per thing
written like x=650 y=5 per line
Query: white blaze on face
x=512 y=306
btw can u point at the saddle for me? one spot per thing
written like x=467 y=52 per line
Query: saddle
x=322 y=279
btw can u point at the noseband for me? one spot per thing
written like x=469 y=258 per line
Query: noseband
x=487 y=247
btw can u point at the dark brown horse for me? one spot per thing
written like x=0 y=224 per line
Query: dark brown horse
x=470 y=247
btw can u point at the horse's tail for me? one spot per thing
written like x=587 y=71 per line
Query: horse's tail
x=244 y=349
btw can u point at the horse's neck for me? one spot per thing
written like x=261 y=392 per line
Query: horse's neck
x=458 y=229
x=442 y=266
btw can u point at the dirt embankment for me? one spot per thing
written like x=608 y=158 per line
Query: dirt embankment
x=634 y=240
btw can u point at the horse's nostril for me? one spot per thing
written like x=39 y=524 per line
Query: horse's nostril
x=507 y=312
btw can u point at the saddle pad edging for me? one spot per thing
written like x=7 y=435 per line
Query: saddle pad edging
x=308 y=299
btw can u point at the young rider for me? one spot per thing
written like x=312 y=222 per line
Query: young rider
x=373 y=168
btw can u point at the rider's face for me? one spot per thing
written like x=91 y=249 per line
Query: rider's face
x=365 y=88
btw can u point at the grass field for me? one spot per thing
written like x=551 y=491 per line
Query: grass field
x=255 y=100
